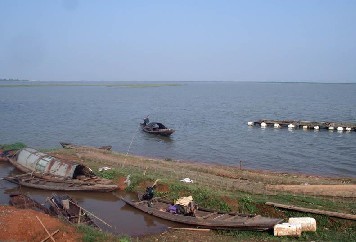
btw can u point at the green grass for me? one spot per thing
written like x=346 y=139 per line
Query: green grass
x=328 y=228
x=14 y=146
x=93 y=235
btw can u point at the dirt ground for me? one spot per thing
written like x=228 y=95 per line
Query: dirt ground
x=24 y=225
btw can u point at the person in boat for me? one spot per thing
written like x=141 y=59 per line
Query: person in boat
x=150 y=192
x=146 y=120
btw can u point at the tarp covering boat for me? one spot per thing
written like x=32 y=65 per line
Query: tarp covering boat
x=30 y=160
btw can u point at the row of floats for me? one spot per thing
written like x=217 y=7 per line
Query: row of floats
x=292 y=124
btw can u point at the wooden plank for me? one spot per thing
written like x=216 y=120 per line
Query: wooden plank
x=316 y=211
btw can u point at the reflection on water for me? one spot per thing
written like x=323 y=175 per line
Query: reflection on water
x=108 y=206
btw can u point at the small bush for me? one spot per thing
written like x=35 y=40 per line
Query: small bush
x=14 y=146
x=109 y=174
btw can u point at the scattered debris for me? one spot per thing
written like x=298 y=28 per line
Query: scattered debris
x=105 y=168
x=187 y=180
x=128 y=181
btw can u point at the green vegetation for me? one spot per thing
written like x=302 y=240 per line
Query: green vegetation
x=111 y=174
x=14 y=146
x=212 y=190
x=12 y=80
x=93 y=235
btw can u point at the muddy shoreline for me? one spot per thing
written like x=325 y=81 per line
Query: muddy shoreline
x=229 y=184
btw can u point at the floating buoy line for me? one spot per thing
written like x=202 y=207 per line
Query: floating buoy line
x=305 y=125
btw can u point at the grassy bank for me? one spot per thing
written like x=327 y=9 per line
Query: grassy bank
x=226 y=189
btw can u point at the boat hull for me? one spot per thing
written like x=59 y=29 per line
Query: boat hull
x=57 y=185
x=207 y=219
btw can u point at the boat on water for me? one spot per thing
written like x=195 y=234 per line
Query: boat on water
x=55 y=184
x=68 y=209
x=205 y=218
x=74 y=146
x=156 y=128
x=43 y=171
x=22 y=201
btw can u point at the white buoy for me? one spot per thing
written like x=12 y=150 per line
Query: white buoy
x=250 y=123
x=340 y=128
x=331 y=128
x=291 y=126
x=305 y=127
x=263 y=125
x=348 y=129
x=316 y=127
x=276 y=125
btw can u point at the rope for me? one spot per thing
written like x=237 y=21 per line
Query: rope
x=133 y=137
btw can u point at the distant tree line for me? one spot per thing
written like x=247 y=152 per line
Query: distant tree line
x=12 y=80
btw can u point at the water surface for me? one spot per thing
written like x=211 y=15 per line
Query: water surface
x=210 y=119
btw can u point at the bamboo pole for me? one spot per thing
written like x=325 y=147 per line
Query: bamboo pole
x=49 y=236
x=91 y=214
x=45 y=229
x=80 y=211
x=316 y=211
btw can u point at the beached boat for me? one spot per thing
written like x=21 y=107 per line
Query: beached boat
x=73 y=146
x=55 y=174
x=56 y=184
x=156 y=128
x=22 y=201
x=66 y=208
x=206 y=218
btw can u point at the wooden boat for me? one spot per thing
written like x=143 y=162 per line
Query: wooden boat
x=66 y=208
x=57 y=184
x=157 y=128
x=205 y=218
x=43 y=171
x=73 y=146
x=22 y=201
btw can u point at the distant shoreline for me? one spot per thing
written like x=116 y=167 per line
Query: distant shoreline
x=176 y=82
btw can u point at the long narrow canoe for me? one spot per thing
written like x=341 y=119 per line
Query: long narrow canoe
x=206 y=219
x=74 y=146
x=28 y=180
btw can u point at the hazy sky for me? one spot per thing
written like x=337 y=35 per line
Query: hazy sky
x=183 y=40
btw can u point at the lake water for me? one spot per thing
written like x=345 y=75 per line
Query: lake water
x=210 y=119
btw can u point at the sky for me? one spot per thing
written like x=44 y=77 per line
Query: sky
x=178 y=40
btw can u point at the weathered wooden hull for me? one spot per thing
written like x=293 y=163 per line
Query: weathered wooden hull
x=58 y=185
x=163 y=132
x=69 y=176
x=25 y=202
x=73 y=213
x=206 y=219
x=73 y=146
